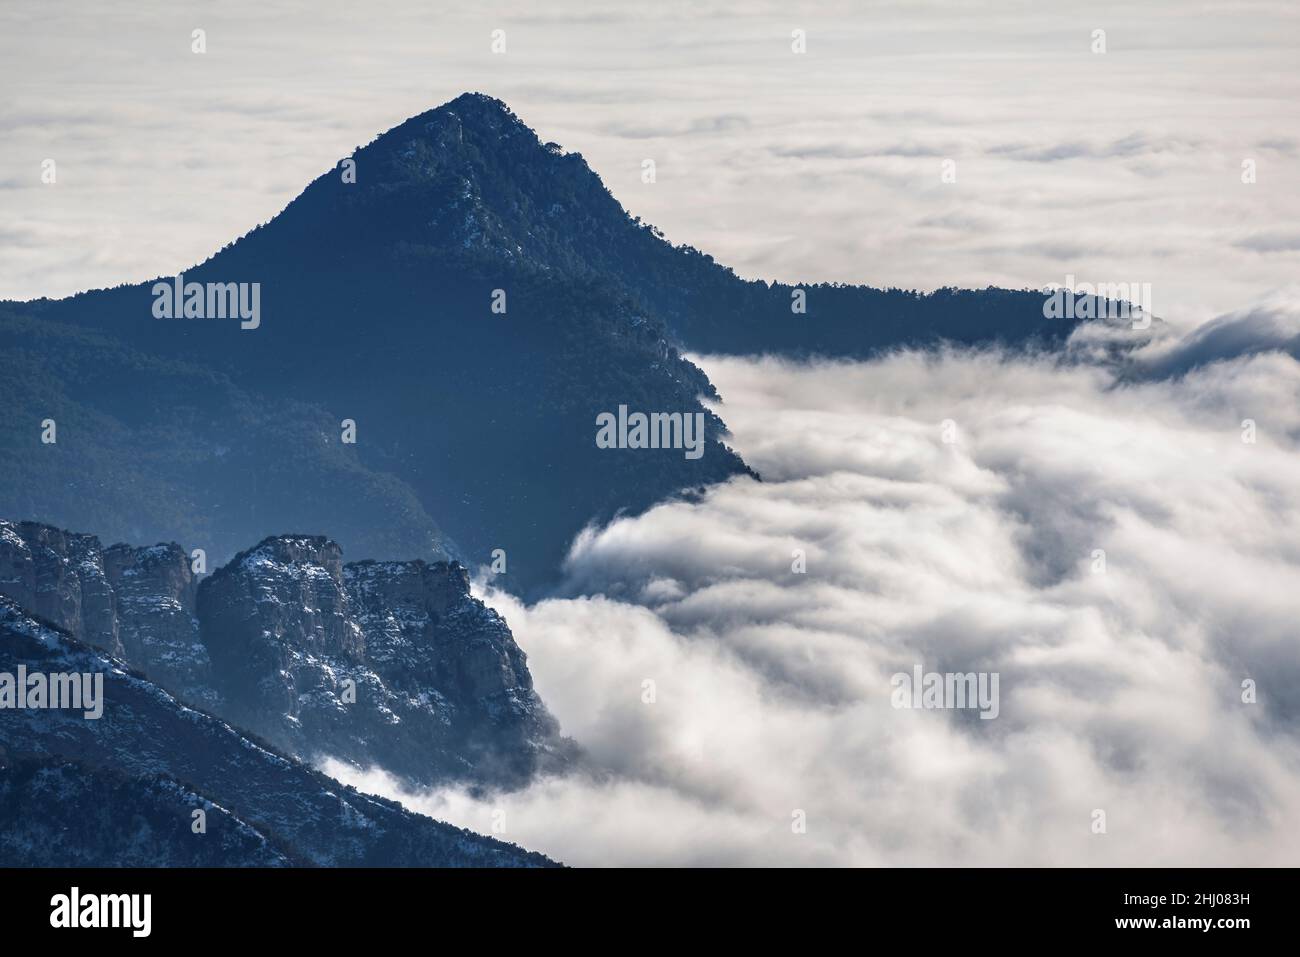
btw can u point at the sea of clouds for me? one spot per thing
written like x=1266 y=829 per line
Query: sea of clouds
x=1121 y=689
x=824 y=166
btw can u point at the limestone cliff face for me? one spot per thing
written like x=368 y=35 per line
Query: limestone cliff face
x=60 y=576
x=275 y=625
x=154 y=591
x=388 y=664
x=423 y=630
x=135 y=603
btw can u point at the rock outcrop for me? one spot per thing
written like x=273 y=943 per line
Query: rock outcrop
x=60 y=576
x=388 y=664
x=135 y=603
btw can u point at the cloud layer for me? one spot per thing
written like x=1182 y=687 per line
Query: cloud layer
x=823 y=166
x=1121 y=675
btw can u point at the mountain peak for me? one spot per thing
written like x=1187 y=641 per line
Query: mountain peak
x=484 y=118
x=481 y=104
x=465 y=179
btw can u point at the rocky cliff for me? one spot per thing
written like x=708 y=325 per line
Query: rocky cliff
x=134 y=603
x=393 y=664
x=388 y=663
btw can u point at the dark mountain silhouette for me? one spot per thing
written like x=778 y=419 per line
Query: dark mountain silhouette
x=66 y=814
x=475 y=429
x=155 y=449
x=149 y=738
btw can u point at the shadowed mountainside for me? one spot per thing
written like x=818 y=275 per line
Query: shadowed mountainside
x=475 y=427
x=147 y=735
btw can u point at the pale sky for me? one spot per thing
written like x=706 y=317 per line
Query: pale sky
x=1122 y=166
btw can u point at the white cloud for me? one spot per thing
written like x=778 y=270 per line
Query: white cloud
x=1271 y=324
x=1120 y=690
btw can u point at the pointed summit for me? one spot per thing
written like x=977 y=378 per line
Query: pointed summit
x=483 y=117
x=471 y=176
x=378 y=298
x=465 y=178
x=481 y=104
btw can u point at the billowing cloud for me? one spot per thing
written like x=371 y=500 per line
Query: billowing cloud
x=1270 y=325
x=1122 y=555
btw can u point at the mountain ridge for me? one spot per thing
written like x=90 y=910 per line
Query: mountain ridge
x=146 y=736
x=379 y=307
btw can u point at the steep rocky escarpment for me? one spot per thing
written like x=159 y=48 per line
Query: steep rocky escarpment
x=134 y=603
x=388 y=663
x=393 y=664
